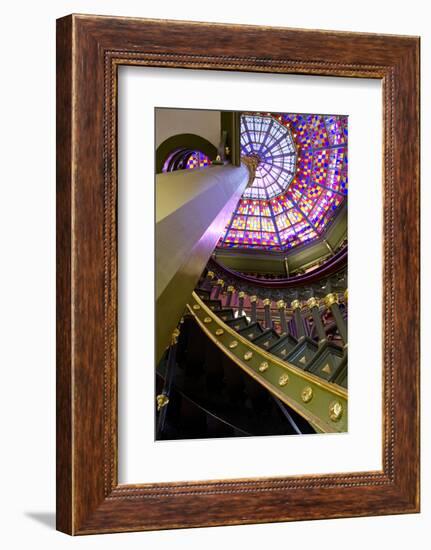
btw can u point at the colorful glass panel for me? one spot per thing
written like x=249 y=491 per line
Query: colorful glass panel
x=197 y=160
x=300 y=181
x=270 y=144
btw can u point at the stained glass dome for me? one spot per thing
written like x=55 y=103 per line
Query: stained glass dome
x=271 y=145
x=299 y=183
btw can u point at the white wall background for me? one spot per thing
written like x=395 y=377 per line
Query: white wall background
x=27 y=289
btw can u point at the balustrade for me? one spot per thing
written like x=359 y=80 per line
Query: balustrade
x=290 y=321
x=292 y=370
x=305 y=339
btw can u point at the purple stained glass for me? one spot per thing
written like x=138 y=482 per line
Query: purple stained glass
x=270 y=144
x=300 y=179
x=197 y=160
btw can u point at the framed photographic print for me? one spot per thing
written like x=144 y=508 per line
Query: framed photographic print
x=230 y=199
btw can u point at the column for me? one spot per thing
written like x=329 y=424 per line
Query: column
x=286 y=267
x=183 y=249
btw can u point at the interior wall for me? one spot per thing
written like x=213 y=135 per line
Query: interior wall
x=171 y=122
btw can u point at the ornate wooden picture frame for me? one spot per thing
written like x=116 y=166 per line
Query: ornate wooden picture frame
x=89 y=51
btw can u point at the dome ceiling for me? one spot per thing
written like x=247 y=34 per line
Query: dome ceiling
x=300 y=180
x=270 y=145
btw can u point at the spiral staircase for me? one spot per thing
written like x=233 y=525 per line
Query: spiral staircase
x=251 y=357
x=252 y=257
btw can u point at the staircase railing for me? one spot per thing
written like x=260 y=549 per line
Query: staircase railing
x=323 y=404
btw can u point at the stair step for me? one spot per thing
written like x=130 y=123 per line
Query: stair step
x=225 y=314
x=238 y=323
x=203 y=294
x=302 y=353
x=252 y=331
x=213 y=304
x=326 y=361
x=267 y=339
x=283 y=346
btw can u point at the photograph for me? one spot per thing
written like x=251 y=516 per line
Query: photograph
x=251 y=273
x=225 y=294
x=215 y=275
